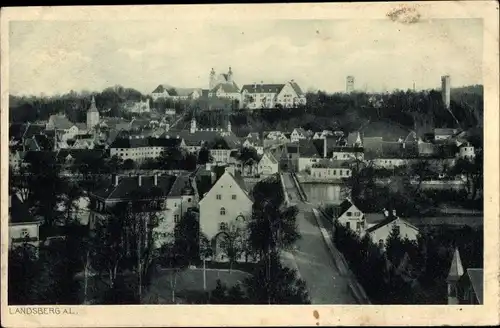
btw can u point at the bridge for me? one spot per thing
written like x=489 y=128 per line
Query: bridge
x=318 y=263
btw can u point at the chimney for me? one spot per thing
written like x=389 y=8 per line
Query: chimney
x=140 y=180
x=386 y=213
x=116 y=178
x=156 y=179
x=325 y=148
x=394 y=213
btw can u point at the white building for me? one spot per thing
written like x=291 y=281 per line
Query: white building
x=141 y=106
x=268 y=164
x=169 y=92
x=466 y=151
x=139 y=148
x=298 y=134
x=227 y=202
x=271 y=95
x=350 y=216
x=379 y=232
x=23 y=226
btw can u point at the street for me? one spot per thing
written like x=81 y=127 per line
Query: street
x=312 y=257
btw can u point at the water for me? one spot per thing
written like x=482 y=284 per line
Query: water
x=323 y=193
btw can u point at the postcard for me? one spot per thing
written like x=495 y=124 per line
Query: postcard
x=251 y=164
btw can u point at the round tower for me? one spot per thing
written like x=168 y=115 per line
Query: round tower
x=92 y=115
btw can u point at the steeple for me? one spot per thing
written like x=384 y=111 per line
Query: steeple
x=456 y=271
x=230 y=75
x=228 y=125
x=93 y=107
x=211 y=83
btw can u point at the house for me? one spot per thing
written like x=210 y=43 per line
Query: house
x=298 y=134
x=223 y=86
x=141 y=106
x=466 y=151
x=393 y=155
x=346 y=153
x=83 y=141
x=255 y=144
x=327 y=169
x=275 y=135
x=62 y=126
x=354 y=139
x=227 y=202
x=253 y=135
x=139 y=148
x=349 y=216
x=322 y=135
x=379 y=232
x=176 y=193
x=23 y=226
x=444 y=134
x=272 y=95
x=308 y=154
x=268 y=164
x=170 y=92
x=221 y=150
x=464 y=286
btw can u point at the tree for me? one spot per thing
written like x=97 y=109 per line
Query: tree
x=473 y=172
x=233 y=242
x=187 y=238
x=129 y=164
x=282 y=286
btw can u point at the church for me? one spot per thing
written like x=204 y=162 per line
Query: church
x=223 y=86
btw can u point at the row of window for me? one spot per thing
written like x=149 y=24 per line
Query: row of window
x=219 y=197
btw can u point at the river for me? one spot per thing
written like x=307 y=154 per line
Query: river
x=324 y=193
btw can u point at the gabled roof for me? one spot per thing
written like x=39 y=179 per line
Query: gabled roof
x=444 y=131
x=476 y=279
x=307 y=148
x=391 y=218
x=60 y=122
x=227 y=87
x=241 y=183
x=456 y=267
x=179 y=185
x=344 y=206
x=129 y=184
x=263 y=88
x=162 y=88
x=81 y=126
x=296 y=88
x=18 y=212
x=33 y=129
x=352 y=138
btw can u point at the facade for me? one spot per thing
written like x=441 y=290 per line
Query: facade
x=23 y=226
x=309 y=154
x=139 y=148
x=349 y=216
x=444 y=134
x=349 y=84
x=223 y=86
x=141 y=106
x=446 y=90
x=330 y=170
x=268 y=164
x=298 y=134
x=379 y=233
x=466 y=151
x=166 y=91
x=227 y=202
x=272 y=95
x=92 y=116
x=255 y=144
x=176 y=193
x=62 y=127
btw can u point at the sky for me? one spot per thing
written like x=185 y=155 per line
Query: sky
x=53 y=57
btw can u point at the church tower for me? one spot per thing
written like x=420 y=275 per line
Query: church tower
x=92 y=115
x=193 y=125
x=230 y=75
x=228 y=125
x=456 y=271
x=211 y=83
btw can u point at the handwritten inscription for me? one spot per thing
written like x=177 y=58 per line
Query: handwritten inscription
x=41 y=310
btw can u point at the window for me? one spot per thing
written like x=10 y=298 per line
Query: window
x=176 y=218
x=348 y=225
x=223 y=226
x=358 y=226
x=222 y=211
x=219 y=197
x=25 y=233
x=189 y=200
x=356 y=213
x=334 y=172
x=233 y=197
x=381 y=243
x=349 y=213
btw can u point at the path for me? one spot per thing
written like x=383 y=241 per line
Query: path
x=312 y=257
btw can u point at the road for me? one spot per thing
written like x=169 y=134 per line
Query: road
x=313 y=259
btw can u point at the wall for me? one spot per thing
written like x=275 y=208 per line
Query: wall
x=384 y=232
x=306 y=162
x=210 y=217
